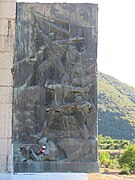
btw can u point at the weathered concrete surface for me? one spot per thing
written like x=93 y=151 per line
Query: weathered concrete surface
x=34 y=115
x=55 y=88
x=41 y=167
x=7 y=44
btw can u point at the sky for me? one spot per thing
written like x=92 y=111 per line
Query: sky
x=116 y=37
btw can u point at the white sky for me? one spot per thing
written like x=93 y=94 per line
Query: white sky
x=116 y=37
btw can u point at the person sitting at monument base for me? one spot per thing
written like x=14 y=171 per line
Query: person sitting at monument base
x=29 y=153
x=42 y=150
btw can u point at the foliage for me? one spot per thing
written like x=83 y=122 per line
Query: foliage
x=107 y=160
x=111 y=154
x=116 y=107
x=114 y=163
x=106 y=142
x=110 y=151
x=127 y=160
x=104 y=158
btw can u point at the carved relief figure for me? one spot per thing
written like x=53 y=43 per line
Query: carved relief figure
x=60 y=68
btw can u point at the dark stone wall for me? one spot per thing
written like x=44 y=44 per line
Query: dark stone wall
x=55 y=86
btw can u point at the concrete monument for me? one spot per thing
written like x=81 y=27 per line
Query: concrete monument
x=55 y=88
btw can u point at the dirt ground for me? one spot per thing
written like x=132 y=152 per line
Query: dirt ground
x=109 y=174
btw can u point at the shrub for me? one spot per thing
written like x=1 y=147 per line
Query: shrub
x=114 y=163
x=127 y=160
x=104 y=158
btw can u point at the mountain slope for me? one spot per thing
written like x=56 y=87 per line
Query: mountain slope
x=116 y=108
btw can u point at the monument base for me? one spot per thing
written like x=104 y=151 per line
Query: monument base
x=41 y=167
x=43 y=176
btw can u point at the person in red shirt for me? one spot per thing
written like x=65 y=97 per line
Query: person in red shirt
x=42 y=150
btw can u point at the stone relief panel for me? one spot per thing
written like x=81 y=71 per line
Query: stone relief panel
x=55 y=83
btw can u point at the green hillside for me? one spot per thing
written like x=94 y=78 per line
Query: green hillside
x=116 y=108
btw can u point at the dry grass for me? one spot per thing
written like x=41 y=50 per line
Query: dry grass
x=109 y=174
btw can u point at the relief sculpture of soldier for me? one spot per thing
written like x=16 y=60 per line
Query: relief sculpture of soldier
x=75 y=114
x=66 y=81
x=55 y=49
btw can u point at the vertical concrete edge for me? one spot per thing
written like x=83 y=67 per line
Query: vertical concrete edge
x=7 y=34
